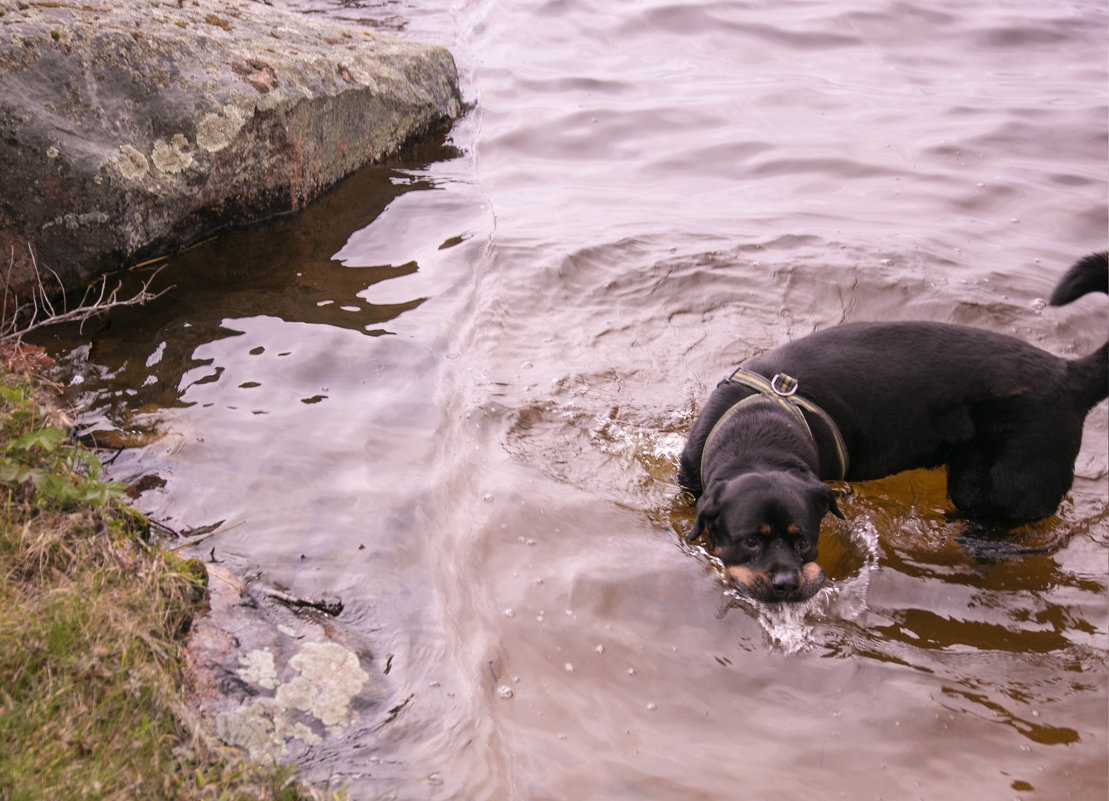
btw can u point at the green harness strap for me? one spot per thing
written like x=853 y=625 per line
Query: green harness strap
x=780 y=390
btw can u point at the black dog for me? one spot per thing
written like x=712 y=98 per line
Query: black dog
x=867 y=400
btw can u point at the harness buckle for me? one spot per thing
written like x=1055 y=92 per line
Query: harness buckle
x=784 y=385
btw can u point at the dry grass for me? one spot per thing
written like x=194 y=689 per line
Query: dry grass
x=91 y=616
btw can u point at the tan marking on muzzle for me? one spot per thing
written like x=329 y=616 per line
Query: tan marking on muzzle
x=812 y=573
x=745 y=576
x=757 y=582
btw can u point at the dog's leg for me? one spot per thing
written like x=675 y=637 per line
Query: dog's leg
x=1012 y=482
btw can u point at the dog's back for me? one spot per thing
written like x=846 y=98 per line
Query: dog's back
x=919 y=394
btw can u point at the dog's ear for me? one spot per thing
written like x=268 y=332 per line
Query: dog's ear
x=825 y=497
x=708 y=509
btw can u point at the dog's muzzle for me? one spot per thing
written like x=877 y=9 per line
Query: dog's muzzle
x=780 y=586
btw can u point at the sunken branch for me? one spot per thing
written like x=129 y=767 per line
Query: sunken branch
x=41 y=305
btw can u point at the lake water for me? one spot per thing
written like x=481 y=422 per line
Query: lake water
x=452 y=394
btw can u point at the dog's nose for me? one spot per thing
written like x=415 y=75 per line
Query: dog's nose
x=784 y=582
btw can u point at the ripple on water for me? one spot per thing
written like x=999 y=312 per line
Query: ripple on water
x=645 y=194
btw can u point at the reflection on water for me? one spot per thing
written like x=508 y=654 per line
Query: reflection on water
x=239 y=315
x=452 y=393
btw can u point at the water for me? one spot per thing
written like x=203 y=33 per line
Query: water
x=453 y=391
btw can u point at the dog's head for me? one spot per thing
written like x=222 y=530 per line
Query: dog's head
x=764 y=527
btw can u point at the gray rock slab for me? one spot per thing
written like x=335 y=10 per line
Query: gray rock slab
x=129 y=129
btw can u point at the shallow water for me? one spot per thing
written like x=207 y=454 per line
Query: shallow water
x=452 y=394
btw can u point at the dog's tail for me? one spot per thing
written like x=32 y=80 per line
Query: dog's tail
x=1090 y=274
x=1090 y=373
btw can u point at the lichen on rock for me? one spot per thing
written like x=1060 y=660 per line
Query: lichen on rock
x=329 y=677
x=176 y=119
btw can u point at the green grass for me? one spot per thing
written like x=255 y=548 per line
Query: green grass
x=92 y=667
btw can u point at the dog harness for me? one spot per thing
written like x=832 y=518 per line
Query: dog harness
x=780 y=390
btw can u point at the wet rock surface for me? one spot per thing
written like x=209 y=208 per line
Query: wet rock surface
x=276 y=680
x=132 y=129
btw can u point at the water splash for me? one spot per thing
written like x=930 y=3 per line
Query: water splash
x=793 y=627
x=656 y=450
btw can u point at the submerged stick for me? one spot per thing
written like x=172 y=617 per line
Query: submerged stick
x=333 y=608
x=202 y=537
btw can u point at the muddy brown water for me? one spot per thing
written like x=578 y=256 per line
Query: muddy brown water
x=453 y=391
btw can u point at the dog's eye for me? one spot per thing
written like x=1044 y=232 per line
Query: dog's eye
x=750 y=543
x=801 y=545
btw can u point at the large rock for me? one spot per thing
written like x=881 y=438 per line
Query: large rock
x=128 y=129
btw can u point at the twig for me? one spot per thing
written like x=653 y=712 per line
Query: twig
x=42 y=312
x=161 y=527
x=333 y=608
x=226 y=576
x=147 y=263
x=202 y=537
x=47 y=305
